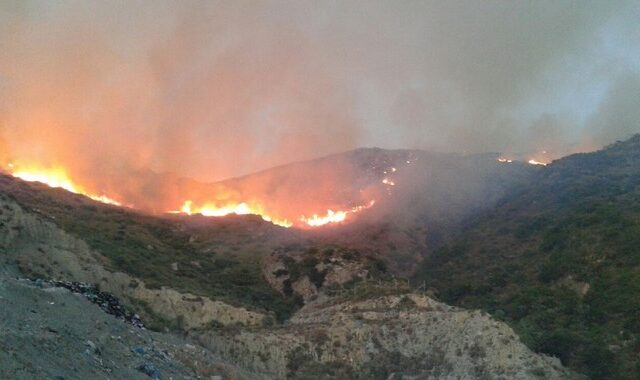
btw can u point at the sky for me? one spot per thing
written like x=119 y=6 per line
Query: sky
x=216 y=89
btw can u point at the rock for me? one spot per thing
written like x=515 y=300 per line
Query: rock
x=417 y=332
x=107 y=302
x=92 y=346
x=150 y=370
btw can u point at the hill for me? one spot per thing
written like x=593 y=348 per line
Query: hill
x=559 y=260
x=260 y=299
x=359 y=325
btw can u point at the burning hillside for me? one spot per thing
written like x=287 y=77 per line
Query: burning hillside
x=303 y=195
x=57 y=178
x=226 y=203
x=242 y=208
x=333 y=190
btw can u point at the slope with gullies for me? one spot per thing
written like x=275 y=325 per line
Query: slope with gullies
x=358 y=321
x=559 y=260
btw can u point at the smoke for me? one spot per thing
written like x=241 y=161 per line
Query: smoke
x=212 y=90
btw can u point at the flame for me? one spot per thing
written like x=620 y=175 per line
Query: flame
x=333 y=216
x=505 y=160
x=242 y=208
x=534 y=162
x=57 y=178
x=389 y=182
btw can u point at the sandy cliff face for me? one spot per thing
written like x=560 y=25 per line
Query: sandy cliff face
x=41 y=249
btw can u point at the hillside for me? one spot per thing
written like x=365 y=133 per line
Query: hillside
x=254 y=298
x=559 y=260
x=217 y=258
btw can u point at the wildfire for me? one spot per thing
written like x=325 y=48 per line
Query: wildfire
x=505 y=160
x=58 y=178
x=241 y=208
x=333 y=216
x=534 y=162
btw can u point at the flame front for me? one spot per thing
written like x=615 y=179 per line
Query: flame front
x=241 y=208
x=53 y=178
x=333 y=216
x=57 y=178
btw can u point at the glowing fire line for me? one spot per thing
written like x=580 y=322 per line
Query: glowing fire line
x=242 y=208
x=333 y=216
x=58 y=178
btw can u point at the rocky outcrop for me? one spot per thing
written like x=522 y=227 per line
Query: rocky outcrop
x=305 y=273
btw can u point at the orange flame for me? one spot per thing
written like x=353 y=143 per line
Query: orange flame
x=241 y=208
x=333 y=216
x=57 y=178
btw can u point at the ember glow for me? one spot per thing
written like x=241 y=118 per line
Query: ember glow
x=57 y=178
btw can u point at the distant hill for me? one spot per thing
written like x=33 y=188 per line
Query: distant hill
x=405 y=185
x=558 y=259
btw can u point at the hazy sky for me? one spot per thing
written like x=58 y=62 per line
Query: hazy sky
x=215 y=89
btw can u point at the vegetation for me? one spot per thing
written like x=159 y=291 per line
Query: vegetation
x=560 y=261
x=163 y=251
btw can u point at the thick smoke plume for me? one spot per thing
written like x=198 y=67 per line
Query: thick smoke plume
x=212 y=90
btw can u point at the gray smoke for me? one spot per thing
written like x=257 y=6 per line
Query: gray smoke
x=218 y=89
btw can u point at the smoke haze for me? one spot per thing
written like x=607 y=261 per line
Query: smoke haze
x=212 y=90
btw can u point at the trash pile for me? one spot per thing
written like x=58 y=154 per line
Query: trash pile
x=106 y=301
